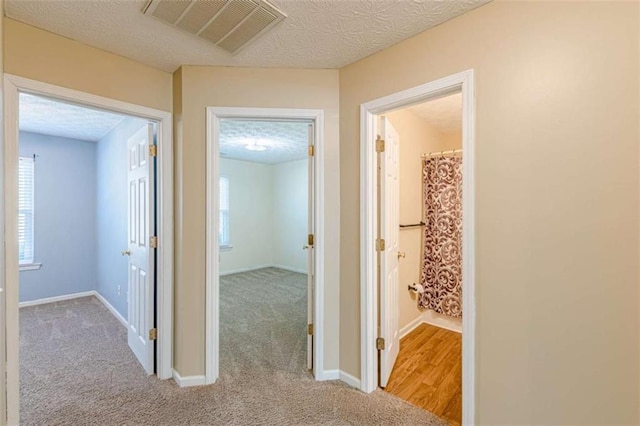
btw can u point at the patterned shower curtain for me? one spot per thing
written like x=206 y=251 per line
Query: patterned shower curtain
x=442 y=255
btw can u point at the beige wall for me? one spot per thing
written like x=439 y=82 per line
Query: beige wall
x=416 y=137
x=221 y=86
x=556 y=202
x=40 y=55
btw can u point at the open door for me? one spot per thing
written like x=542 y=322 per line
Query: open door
x=310 y=253
x=141 y=294
x=389 y=233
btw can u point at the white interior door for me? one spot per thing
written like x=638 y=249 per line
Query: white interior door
x=141 y=294
x=310 y=252
x=389 y=228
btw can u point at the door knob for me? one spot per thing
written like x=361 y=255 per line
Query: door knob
x=126 y=252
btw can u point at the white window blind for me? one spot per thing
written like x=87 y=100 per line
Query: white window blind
x=223 y=234
x=25 y=209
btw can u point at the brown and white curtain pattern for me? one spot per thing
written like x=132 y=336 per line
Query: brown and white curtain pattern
x=442 y=255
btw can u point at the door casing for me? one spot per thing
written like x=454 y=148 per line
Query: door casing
x=13 y=85
x=369 y=264
x=212 y=292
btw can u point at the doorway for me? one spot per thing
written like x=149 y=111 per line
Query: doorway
x=292 y=254
x=149 y=324
x=380 y=276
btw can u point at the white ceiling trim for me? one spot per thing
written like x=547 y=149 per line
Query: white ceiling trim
x=316 y=33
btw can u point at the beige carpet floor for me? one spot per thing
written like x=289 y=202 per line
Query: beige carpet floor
x=76 y=368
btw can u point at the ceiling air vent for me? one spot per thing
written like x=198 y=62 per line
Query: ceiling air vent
x=229 y=24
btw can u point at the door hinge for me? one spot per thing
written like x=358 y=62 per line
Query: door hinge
x=310 y=240
x=379 y=144
x=380 y=244
x=310 y=329
x=153 y=150
x=153 y=242
x=380 y=343
x=153 y=334
x=312 y=150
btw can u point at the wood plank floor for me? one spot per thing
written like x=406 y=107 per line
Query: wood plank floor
x=428 y=371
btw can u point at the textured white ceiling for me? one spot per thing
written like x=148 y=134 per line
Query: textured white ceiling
x=55 y=118
x=445 y=114
x=284 y=141
x=316 y=34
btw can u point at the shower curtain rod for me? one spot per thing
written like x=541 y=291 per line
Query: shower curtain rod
x=436 y=153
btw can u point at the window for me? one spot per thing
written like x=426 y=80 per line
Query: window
x=223 y=232
x=25 y=210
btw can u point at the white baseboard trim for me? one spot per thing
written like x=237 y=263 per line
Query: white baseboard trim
x=76 y=296
x=113 y=310
x=328 y=375
x=288 y=268
x=56 y=299
x=255 y=268
x=188 y=381
x=452 y=324
x=411 y=326
x=349 y=379
x=241 y=270
x=431 y=318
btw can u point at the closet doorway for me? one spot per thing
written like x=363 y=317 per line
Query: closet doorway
x=417 y=237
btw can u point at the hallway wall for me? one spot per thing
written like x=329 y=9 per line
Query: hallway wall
x=557 y=104
x=195 y=88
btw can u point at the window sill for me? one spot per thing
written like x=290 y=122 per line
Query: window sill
x=225 y=248
x=30 y=266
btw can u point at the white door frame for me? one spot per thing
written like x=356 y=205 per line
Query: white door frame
x=369 y=111
x=212 y=293
x=12 y=86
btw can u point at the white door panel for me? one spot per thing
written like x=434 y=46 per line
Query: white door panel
x=141 y=257
x=390 y=228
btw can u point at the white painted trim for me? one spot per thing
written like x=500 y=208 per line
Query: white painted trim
x=425 y=318
x=72 y=296
x=12 y=86
x=411 y=326
x=290 y=269
x=441 y=321
x=113 y=310
x=212 y=291
x=242 y=270
x=328 y=375
x=188 y=381
x=350 y=380
x=464 y=82
x=30 y=266
x=255 y=268
x=56 y=299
